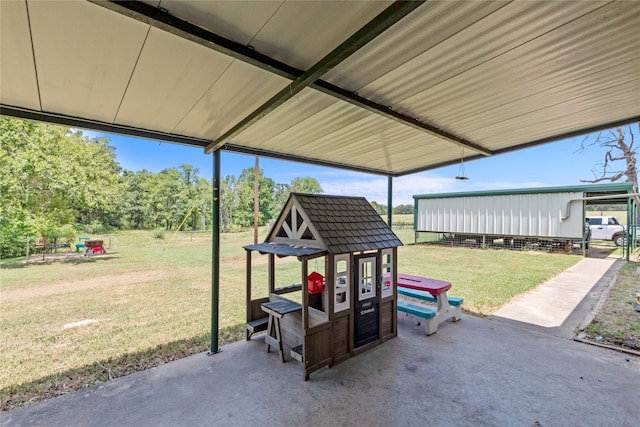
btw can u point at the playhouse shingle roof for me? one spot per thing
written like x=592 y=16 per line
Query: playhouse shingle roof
x=346 y=224
x=311 y=224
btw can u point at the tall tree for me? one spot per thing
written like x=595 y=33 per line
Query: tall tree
x=280 y=195
x=620 y=162
x=164 y=197
x=306 y=185
x=136 y=201
x=189 y=199
x=204 y=190
x=52 y=176
x=380 y=209
x=229 y=201
x=244 y=188
x=403 y=209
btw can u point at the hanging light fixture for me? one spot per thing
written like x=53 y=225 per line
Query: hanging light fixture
x=462 y=175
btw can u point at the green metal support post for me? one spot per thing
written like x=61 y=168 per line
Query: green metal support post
x=390 y=202
x=628 y=237
x=215 y=256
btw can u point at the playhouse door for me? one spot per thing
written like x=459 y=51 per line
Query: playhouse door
x=367 y=299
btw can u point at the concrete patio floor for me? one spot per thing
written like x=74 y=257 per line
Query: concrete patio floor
x=478 y=372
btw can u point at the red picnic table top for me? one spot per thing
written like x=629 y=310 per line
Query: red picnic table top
x=433 y=286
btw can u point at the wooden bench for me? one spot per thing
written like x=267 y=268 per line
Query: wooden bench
x=258 y=325
x=426 y=296
x=42 y=243
x=257 y=320
x=60 y=246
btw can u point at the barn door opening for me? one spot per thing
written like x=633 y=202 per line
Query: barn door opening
x=367 y=300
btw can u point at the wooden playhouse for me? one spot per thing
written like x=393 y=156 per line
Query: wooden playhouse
x=345 y=302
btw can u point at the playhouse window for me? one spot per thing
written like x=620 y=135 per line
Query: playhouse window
x=343 y=283
x=367 y=286
x=387 y=273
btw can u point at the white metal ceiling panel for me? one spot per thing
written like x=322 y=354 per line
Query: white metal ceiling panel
x=169 y=79
x=427 y=27
x=239 y=21
x=298 y=33
x=492 y=74
x=396 y=148
x=84 y=55
x=240 y=90
x=18 y=84
x=385 y=148
x=372 y=132
x=481 y=43
x=334 y=117
x=558 y=66
x=571 y=115
x=335 y=130
x=302 y=32
x=486 y=98
x=501 y=106
x=296 y=110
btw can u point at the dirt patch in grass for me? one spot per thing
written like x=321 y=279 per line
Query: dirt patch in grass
x=617 y=323
x=61 y=287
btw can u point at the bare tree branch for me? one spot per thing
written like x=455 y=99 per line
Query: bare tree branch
x=620 y=147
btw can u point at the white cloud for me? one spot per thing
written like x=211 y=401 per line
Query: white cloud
x=375 y=187
x=89 y=133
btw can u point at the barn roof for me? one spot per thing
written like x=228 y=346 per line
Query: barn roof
x=621 y=189
x=310 y=224
x=377 y=86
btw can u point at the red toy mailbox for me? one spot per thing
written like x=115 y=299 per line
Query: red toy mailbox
x=315 y=283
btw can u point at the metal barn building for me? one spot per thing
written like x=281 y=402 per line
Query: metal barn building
x=553 y=216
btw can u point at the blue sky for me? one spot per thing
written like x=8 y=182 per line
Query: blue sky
x=554 y=164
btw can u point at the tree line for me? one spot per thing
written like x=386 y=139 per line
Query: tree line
x=56 y=182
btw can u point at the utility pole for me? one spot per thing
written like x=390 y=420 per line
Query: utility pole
x=255 y=204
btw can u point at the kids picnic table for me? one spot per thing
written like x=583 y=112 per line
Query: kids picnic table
x=430 y=290
x=94 y=246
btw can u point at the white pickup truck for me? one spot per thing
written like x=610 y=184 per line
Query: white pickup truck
x=607 y=228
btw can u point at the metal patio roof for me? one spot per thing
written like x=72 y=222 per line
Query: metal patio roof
x=381 y=87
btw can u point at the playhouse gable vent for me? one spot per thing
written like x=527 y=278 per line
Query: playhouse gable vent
x=337 y=224
x=293 y=227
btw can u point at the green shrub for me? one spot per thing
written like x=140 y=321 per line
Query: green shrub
x=66 y=234
x=15 y=227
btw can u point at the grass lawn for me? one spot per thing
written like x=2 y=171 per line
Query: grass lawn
x=68 y=324
x=617 y=323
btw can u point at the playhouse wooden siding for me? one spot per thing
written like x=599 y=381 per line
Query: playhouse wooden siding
x=531 y=214
x=342 y=230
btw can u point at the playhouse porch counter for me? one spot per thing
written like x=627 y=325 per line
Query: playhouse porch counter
x=276 y=311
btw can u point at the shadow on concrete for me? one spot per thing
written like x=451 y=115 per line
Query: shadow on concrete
x=109 y=369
